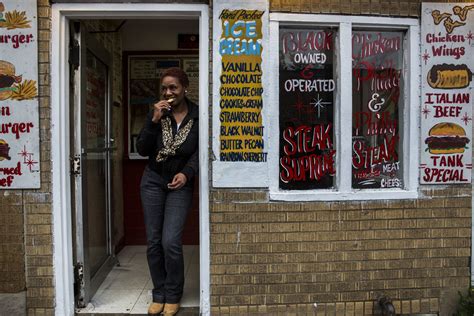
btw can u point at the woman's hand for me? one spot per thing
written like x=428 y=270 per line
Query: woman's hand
x=160 y=108
x=179 y=180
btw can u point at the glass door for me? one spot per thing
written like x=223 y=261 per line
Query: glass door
x=92 y=145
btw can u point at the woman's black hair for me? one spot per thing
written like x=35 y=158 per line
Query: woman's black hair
x=178 y=73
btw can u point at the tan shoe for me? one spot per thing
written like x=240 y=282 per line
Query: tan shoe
x=155 y=309
x=170 y=309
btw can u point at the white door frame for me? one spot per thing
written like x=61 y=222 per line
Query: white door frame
x=60 y=149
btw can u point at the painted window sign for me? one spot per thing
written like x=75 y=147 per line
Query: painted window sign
x=377 y=83
x=241 y=135
x=19 y=122
x=447 y=97
x=307 y=85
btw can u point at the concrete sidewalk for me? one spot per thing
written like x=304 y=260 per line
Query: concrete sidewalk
x=13 y=304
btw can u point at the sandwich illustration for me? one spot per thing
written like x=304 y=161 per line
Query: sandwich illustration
x=4 y=150
x=446 y=138
x=449 y=76
x=8 y=80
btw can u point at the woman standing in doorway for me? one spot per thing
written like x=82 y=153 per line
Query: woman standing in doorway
x=170 y=139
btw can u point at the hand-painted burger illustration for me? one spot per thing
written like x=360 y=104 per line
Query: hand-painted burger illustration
x=450 y=76
x=7 y=79
x=446 y=138
x=4 y=150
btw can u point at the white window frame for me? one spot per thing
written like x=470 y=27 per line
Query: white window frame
x=411 y=93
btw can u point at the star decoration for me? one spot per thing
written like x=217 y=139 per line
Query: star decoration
x=470 y=36
x=426 y=56
x=24 y=153
x=30 y=162
x=298 y=106
x=425 y=111
x=27 y=158
x=466 y=118
x=319 y=104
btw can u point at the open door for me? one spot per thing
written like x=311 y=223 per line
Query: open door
x=91 y=145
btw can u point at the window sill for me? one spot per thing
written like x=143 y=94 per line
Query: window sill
x=328 y=195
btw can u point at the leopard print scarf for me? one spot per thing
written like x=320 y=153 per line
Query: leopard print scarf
x=170 y=143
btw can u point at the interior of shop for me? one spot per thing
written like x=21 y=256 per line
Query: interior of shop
x=111 y=91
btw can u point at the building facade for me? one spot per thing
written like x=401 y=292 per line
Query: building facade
x=295 y=212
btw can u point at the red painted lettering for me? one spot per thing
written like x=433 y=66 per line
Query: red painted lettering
x=16 y=128
x=308 y=167
x=16 y=40
x=307 y=139
x=5 y=111
x=443 y=175
x=447 y=111
x=366 y=157
x=6 y=182
x=448 y=161
x=366 y=45
x=444 y=50
x=369 y=123
x=447 y=98
x=383 y=77
x=306 y=41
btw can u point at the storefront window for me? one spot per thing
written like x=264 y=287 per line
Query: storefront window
x=346 y=101
x=377 y=82
x=307 y=85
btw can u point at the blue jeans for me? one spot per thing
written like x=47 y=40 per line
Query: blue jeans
x=165 y=215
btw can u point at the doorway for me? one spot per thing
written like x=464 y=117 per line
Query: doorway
x=103 y=257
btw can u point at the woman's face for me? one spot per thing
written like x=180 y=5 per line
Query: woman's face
x=171 y=88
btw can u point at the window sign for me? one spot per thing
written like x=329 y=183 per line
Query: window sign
x=19 y=117
x=447 y=41
x=377 y=102
x=307 y=86
x=239 y=136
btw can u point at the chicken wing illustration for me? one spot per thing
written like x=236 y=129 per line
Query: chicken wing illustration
x=462 y=12
x=450 y=25
x=438 y=17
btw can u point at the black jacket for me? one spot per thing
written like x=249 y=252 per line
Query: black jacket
x=186 y=160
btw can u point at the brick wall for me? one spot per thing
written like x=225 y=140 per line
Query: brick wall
x=12 y=250
x=37 y=203
x=292 y=255
x=400 y=8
